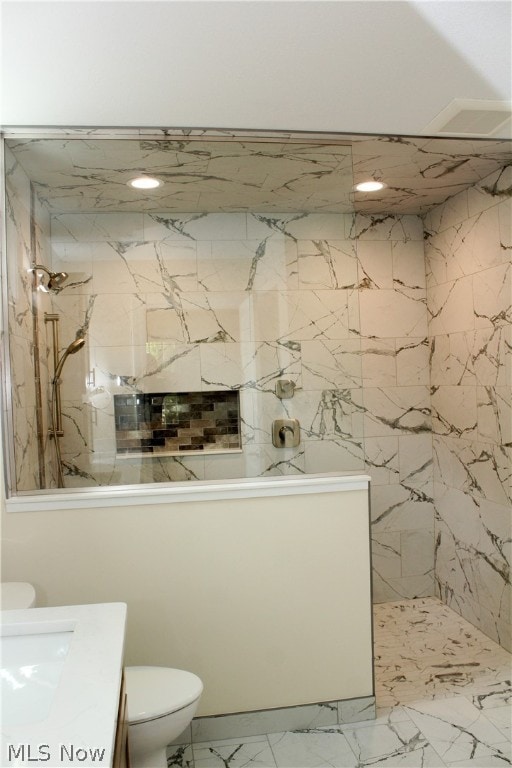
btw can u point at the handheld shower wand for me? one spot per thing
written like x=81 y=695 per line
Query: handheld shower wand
x=73 y=347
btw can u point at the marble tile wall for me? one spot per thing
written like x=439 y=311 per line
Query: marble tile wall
x=468 y=258
x=207 y=302
x=27 y=228
x=395 y=392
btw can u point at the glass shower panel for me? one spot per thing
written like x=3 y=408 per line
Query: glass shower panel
x=238 y=272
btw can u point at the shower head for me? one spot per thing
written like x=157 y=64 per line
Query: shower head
x=73 y=347
x=55 y=279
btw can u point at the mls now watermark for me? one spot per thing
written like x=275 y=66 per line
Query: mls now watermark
x=64 y=754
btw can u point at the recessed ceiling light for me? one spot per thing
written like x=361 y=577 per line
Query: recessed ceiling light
x=370 y=186
x=144 y=182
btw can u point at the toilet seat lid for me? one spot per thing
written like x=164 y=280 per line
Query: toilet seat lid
x=157 y=691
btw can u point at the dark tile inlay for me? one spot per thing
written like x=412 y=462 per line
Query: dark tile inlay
x=168 y=423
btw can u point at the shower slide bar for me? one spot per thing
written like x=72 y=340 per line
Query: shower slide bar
x=56 y=429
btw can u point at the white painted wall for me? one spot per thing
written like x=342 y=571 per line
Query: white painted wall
x=367 y=66
x=267 y=600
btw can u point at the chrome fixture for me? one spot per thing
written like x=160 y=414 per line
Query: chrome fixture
x=285 y=388
x=285 y=433
x=73 y=347
x=55 y=279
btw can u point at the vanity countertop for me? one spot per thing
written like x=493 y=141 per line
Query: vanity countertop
x=77 y=725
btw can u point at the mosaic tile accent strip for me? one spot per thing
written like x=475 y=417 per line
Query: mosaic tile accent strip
x=178 y=422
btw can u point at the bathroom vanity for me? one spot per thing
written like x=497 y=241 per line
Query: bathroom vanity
x=62 y=693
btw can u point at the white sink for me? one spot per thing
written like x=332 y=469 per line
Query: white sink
x=30 y=673
x=61 y=676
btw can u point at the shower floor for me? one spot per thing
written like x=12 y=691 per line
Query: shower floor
x=444 y=698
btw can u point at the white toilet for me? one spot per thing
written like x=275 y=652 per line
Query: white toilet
x=161 y=704
x=16 y=594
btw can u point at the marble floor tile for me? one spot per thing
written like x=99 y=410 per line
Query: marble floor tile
x=456 y=729
x=234 y=753
x=392 y=745
x=502 y=719
x=316 y=748
x=444 y=698
x=180 y=756
x=480 y=762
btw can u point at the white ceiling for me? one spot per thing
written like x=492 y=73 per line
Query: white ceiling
x=368 y=66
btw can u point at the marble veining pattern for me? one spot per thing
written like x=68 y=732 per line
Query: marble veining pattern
x=339 y=303
x=469 y=302
x=208 y=171
x=444 y=698
x=202 y=302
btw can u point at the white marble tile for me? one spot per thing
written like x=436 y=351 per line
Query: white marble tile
x=396 y=508
x=25 y=449
x=195 y=226
x=264 y=460
x=472 y=554
x=330 y=414
x=450 y=307
x=375 y=264
x=234 y=754
x=409 y=587
x=453 y=358
x=301 y=226
x=396 y=410
x=328 y=364
x=488 y=192
x=491 y=355
x=505 y=222
x=492 y=695
x=164 y=367
x=417 y=553
x=387 y=313
x=454 y=411
x=327 y=264
x=333 y=456
x=412 y=361
x=76 y=258
x=409 y=268
x=386 y=554
x=501 y=717
x=300 y=315
x=199 y=317
x=250 y=724
x=317 y=748
x=500 y=757
x=378 y=362
x=357 y=710
x=180 y=756
x=97 y=227
x=478 y=247
x=452 y=212
x=492 y=292
x=382 y=459
x=397 y=745
x=262 y=265
x=387 y=227
x=439 y=267
x=456 y=729
x=415 y=461
x=494 y=414
x=22 y=384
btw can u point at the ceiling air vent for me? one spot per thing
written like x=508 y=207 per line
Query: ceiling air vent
x=473 y=117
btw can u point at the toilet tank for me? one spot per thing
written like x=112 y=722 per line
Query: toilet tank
x=16 y=594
